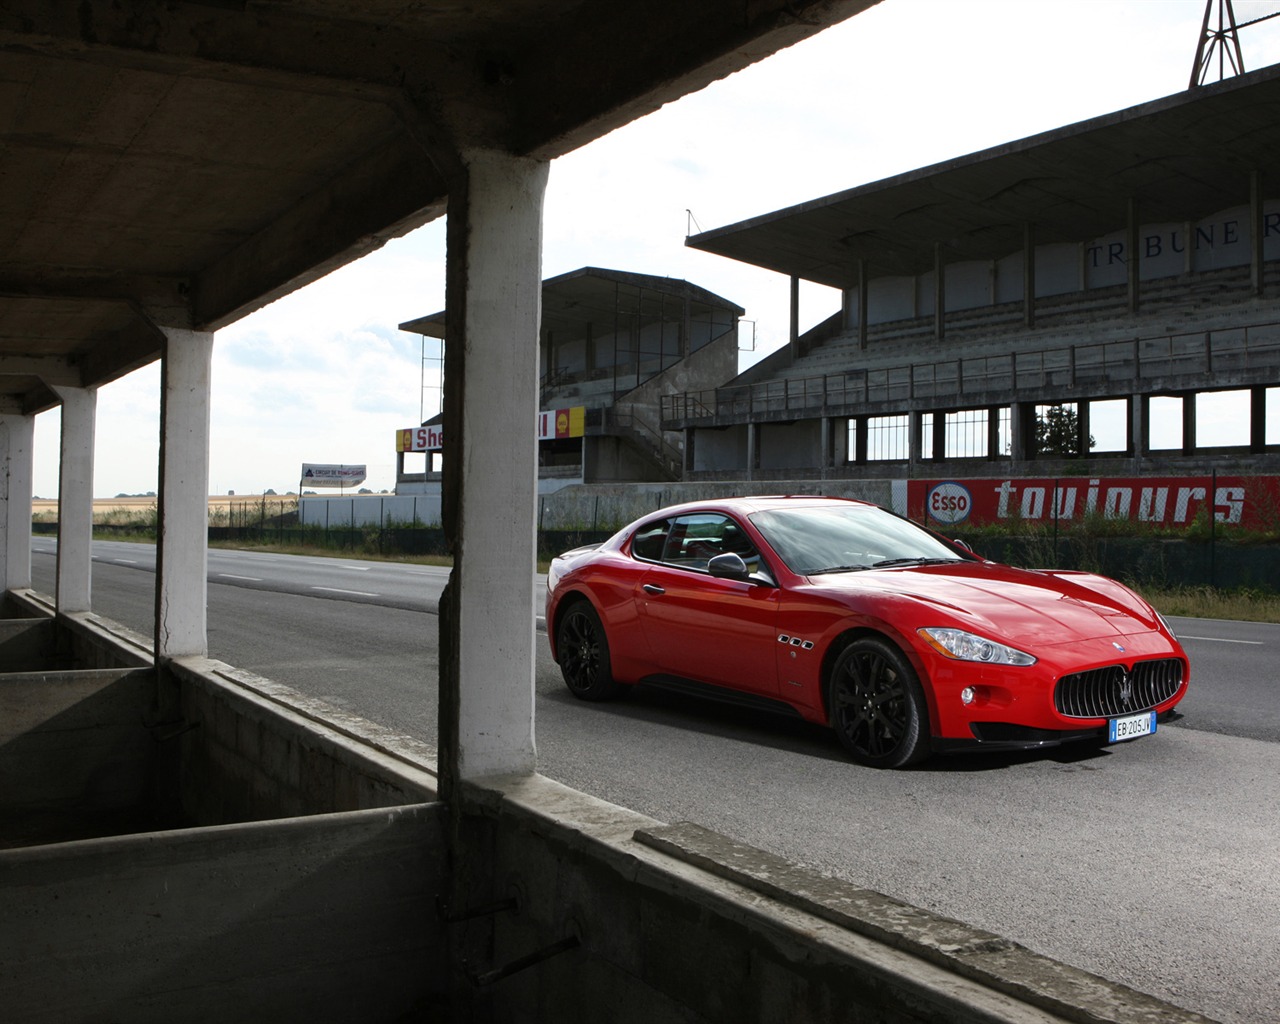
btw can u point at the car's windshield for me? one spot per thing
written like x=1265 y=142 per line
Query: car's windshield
x=814 y=539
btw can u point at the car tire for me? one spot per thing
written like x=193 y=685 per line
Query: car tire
x=876 y=706
x=583 y=652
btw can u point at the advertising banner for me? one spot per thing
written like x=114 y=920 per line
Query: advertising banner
x=1169 y=502
x=551 y=424
x=420 y=439
x=323 y=475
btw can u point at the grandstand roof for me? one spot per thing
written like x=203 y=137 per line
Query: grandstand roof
x=1182 y=157
x=591 y=293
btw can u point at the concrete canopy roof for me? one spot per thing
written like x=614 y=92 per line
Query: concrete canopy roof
x=1178 y=158
x=575 y=298
x=180 y=164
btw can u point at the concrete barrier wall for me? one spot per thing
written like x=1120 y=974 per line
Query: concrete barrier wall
x=26 y=644
x=609 y=507
x=321 y=919
x=74 y=744
x=83 y=639
x=250 y=749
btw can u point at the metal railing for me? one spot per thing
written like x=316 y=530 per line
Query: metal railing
x=671 y=458
x=1200 y=353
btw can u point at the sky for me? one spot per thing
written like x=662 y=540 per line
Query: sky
x=324 y=375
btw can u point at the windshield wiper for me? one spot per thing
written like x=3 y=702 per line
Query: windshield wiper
x=839 y=568
x=890 y=562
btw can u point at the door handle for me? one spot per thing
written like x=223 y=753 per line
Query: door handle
x=653 y=588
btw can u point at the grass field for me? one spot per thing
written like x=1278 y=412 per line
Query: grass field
x=121 y=510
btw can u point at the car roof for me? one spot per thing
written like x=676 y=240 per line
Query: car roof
x=746 y=504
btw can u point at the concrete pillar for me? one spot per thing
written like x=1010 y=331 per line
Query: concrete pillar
x=494 y=298
x=1258 y=419
x=17 y=442
x=1029 y=275
x=1131 y=251
x=182 y=549
x=1022 y=431
x=1139 y=426
x=75 y=498
x=939 y=294
x=793 y=331
x=864 y=284
x=1257 y=232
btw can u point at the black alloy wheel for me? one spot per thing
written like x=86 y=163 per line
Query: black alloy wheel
x=876 y=706
x=583 y=651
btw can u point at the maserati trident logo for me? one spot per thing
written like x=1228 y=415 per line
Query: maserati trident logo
x=1118 y=647
x=1126 y=689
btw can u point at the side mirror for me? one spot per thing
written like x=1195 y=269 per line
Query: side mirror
x=728 y=566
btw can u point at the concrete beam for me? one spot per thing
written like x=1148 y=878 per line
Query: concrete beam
x=386 y=194
x=55 y=371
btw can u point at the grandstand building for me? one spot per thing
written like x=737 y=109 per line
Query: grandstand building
x=612 y=346
x=1115 y=280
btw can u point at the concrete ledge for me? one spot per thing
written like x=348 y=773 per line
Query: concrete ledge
x=328 y=918
x=1069 y=992
x=252 y=749
x=84 y=639
x=678 y=920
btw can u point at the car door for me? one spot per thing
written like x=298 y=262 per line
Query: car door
x=705 y=628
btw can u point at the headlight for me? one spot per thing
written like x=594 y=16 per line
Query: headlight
x=1165 y=622
x=956 y=643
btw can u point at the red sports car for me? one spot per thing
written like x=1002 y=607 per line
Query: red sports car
x=846 y=614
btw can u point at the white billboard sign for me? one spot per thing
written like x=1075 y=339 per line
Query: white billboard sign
x=321 y=475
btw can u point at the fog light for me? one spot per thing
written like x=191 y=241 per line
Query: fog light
x=967 y=695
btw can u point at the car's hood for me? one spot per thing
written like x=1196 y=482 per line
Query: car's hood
x=1014 y=605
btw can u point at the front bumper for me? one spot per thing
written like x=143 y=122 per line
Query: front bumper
x=1007 y=736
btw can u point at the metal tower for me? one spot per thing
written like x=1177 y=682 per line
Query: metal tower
x=1222 y=42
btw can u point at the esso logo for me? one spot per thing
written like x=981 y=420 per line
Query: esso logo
x=949 y=503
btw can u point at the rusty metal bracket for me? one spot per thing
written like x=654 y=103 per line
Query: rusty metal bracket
x=483 y=978
x=481 y=910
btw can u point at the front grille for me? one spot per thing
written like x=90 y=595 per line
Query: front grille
x=1111 y=691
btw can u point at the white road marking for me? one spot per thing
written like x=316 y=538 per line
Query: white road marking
x=336 y=590
x=1221 y=640
x=233 y=576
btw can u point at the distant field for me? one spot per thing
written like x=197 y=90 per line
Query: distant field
x=48 y=507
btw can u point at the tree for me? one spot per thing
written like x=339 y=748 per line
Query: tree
x=1058 y=432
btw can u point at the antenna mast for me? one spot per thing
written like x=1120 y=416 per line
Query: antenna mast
x=1222 y=41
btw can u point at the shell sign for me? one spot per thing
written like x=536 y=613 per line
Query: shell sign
x=561 y=423
x=551 y=424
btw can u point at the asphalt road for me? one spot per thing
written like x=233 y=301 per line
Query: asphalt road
x=1154 y=863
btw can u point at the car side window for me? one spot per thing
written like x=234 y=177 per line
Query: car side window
x=697 y=538
x=650 y=539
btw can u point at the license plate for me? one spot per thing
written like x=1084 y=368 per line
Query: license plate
x=1131 y=728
